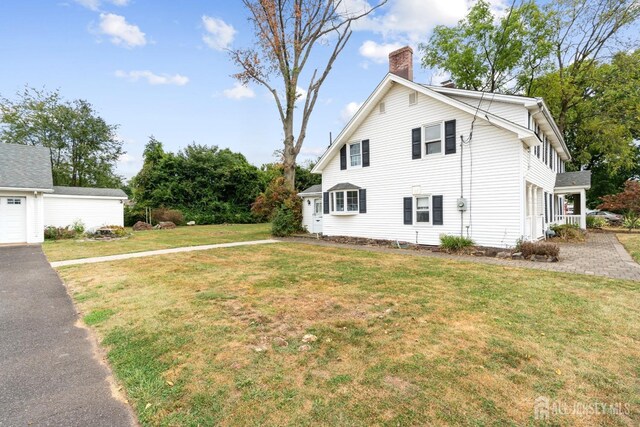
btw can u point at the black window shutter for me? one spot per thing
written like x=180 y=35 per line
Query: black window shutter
x=362 y=196
x=343 y=157
x=546 y=212
x=416 y=143
x=437 y=210
x=408 y=210
x=325 y=202
x=450 y=137
x=365 y=153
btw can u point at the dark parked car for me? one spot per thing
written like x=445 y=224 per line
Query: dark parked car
x=612 y=218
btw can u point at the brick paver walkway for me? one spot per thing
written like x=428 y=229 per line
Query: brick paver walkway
x=600 y=255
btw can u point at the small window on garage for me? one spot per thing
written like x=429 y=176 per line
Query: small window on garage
x=14 y=201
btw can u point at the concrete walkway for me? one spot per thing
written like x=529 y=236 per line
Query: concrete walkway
x=601 y=255
x=51 y=373
x=159 y=252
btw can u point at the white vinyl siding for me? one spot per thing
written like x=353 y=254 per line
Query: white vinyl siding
x=494 y=213
x=513 y=112
x=61 y=211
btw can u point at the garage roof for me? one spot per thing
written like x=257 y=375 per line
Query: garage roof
x=25 y=167
x=89 y=192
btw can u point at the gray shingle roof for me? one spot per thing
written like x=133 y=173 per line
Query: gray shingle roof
x=313 y=189
x=573 y=179
x=344 y=186
x=25 y=166
x=89 y=191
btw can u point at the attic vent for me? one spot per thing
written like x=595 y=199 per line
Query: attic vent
x=413 y=98
x=382 y=108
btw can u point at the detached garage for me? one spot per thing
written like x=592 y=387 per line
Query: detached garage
x=29 y=201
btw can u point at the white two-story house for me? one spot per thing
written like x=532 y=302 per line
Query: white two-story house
x=418 y=161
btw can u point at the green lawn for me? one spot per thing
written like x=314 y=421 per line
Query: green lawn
x=198 y=338
x=631 y=243
x=156 y=239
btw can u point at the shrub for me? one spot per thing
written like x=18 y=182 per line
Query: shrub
x=77 y=226
x=454 y=243
x=631 y=220
x=539 y=248
x=267 y=204
x=58 y=233
x=595 y=221
x=285 y=221
x=568 y=232
x=164 y=214
x=133 y=214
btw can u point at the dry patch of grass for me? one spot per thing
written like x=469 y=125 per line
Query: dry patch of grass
x=212 y=338
x=150 y=240
x=631 y=243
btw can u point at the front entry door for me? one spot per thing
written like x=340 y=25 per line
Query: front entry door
x=316 y=226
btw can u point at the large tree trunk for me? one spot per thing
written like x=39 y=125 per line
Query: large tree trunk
x=289 y=154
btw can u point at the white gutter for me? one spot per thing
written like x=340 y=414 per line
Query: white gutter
x=39 y=190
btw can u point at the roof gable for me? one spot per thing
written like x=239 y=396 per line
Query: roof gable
x=524 y=134
x=25 y=167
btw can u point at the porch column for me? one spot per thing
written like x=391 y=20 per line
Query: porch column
x=534 y=216
x=530 y=210
x=583 y=209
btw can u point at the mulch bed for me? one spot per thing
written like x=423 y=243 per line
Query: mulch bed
x=479 y=251
x=361 y=241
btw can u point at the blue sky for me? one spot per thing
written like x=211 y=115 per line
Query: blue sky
x=157 y=67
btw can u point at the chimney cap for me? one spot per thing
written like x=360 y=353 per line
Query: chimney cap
x=448 y=84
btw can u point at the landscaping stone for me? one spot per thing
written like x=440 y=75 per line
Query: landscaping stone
x=503 y=254
x=141 y=226
x=191 y=223
x=309 y=338
x=305 y=347
x=165 y=225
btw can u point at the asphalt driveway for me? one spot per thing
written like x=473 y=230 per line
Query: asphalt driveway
x=49 y=374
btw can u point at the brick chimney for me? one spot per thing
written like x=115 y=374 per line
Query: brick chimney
x=401 y=62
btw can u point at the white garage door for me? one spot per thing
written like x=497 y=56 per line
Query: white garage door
x=13 y=219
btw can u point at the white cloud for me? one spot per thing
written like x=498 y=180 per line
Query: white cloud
x=378 y=52
x=95 y=4
x=152 y=78
x=411 y=21
x=349 y=110
x=219 y=34
x=301 y=93
x=120 y=31
x=239 y=91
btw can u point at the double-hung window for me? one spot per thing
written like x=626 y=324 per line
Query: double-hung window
x=355 y=154
x=433 y=139
x=423 y=209
x=345 y=201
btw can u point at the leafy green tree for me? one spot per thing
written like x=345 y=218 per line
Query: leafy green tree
x=602 y=127
x=483 y=52
x=207 y=184
x=304 y=177
x=84 y=147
